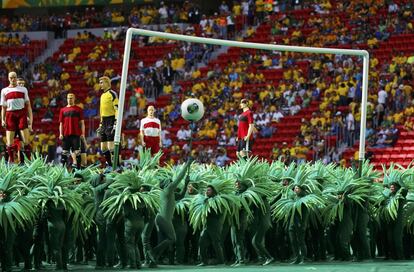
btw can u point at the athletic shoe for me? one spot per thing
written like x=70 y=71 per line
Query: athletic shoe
x=269 y=261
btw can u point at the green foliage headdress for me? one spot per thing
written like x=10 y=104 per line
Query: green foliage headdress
x=127 y=187
x=224 y=203
x=17 y=209
x=289 y=206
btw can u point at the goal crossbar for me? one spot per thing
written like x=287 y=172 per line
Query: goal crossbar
x=262 y=46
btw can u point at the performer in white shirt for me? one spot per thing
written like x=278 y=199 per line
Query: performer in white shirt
x=150 y=131
x=16 y=115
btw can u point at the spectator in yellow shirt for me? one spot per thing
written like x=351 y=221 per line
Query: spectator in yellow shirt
x=65 y=75
x=167 y=89
x=196 y=74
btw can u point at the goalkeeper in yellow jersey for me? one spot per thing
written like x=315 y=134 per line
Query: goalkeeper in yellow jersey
x=108 y=114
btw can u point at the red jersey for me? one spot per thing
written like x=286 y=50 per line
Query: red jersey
x=245 y=119
x=70 y=117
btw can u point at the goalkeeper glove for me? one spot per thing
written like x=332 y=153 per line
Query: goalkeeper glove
x=114 y=127
x=99 y=130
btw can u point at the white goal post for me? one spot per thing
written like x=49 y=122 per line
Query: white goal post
x=262 y=46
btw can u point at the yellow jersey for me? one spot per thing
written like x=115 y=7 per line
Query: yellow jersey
x=109 y=104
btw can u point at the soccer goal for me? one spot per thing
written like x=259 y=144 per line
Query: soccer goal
x=272 y=47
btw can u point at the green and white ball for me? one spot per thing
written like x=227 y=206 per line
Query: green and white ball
x=192 y=109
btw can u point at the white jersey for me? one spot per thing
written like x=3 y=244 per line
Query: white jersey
x=14 y=98
x=151 y=127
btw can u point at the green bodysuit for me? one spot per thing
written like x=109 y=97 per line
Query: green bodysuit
x=180 y=224
x=212 y=235
x=259 y=226
x=344 y=233
x=134 y=225
x=163 y=220
x=361 y=245
x=115 y=237
x=238 y=234
x=57 y=228
x=100 y=185
x=297 y=231
x=394 y=231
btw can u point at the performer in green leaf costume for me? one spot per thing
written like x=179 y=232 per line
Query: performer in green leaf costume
x=163 y=220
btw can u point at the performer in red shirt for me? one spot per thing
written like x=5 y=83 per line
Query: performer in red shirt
x=150 y=131
x=71 y=129
x=16 y=115
x=245 y=130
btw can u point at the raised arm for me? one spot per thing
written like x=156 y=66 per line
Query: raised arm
x=180 y=195
x=173 y=185
x=103 y=186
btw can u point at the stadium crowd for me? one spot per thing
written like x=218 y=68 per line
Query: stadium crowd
x=336 y=83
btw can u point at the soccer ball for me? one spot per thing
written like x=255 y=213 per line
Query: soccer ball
x=192 y=109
